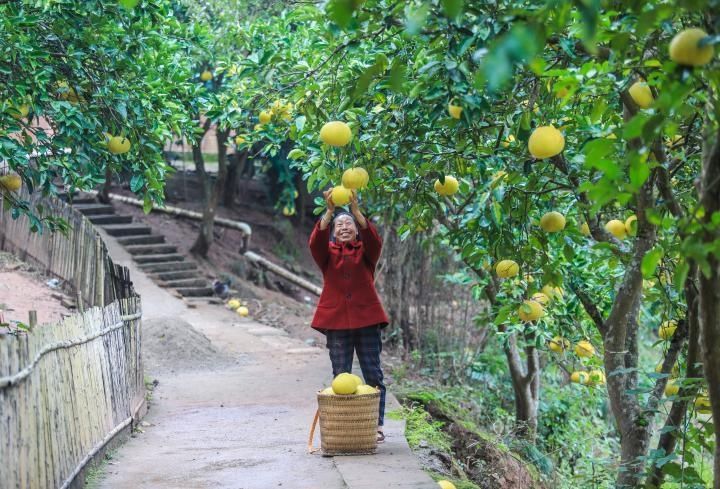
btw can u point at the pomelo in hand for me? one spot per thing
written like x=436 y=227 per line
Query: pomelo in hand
x=584 y=349
x=546 y=142
x=341 y=195
x=335 y=133
x=559 y=344
x=552 y=222
x=685 y=49
x=344 y=384
x=641 y=94
x=507 y=268
x=530 y=311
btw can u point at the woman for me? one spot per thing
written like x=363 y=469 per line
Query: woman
x=346 y=247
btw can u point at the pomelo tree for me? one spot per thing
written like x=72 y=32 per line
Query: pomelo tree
x=89 y=89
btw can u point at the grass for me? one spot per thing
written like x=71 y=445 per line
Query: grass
x=95 y=473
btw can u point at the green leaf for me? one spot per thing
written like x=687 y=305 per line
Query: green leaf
x=296 y=154
x=650 y=261
x=147 y=204
x=639 y=172
x=452 y=8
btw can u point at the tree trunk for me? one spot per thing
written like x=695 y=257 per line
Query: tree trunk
x=236 y=165
x=710 y=289
x=104 y=194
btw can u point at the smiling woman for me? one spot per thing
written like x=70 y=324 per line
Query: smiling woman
x=346 y=247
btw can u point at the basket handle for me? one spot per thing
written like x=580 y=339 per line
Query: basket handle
x=310 y=447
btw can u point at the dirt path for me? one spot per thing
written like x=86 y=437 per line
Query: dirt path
x=233 y=408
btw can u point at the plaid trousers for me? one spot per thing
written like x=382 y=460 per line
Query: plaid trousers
x=368 y=345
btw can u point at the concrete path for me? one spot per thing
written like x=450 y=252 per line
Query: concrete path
x=244 y=426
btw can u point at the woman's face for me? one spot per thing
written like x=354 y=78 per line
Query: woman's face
x=344 y=229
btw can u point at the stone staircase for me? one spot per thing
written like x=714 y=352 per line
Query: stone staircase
x=160 y=260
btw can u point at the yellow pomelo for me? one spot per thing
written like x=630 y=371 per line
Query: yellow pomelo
x=546 y=142
x=365 y=389
x=553 y=293
x=455 y=111
x=641 y=94
x=508 y=141
x=354 y=178
x=20 y=111
x=507 y=268
x=684 y=49
x=579 y=377
x=118 y=145
x=559 y=344
x=540 y=298
x=66 y=92
x=239 y=140
x=530 y=311
x=328 y=391
x=672 y=388
x=674 y=372
x=344 y=384
x=206 y=75
x=529 y=278
x=667 y=329
x=257 y=127
x=631 y=225
x=702 y=405
x=11 y=182
x=596 y=377
x=446 y=485
x=585 y=229
x=233 y=304
x=335 y=133
x=265 y=116
x=584 y=349
x=616 y=228
x=341 y=195
x=552 y=222
x=288 y=211
x=242 y=311
x=449 y=187
x=357 y=379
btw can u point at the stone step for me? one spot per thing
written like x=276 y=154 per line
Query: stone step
x=151 y=249
x=94 y=209
x=136 y=229
x=168 y=266
x=85 y=199
x=143 y=239
x=185 y=282
x=175 y=275
x=101 y=219
x=195 y=291
x=158 y=258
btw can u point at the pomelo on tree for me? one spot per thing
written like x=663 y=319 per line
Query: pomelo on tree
x=559 y=344
x=541 y=298
x=118 y=145
x=288 y=211
x=672 y=388
x=239 y=140
x=667 y=329
x=546 y=142
x=265 y=116
x=552 y=222
x=584 y=349
x=674 y=372
x=684 y=48
x=355 y=178
x=11 y=182
x=596 y=377
x=616 y=228
x=455 y=111
x=702 y=404
x=508 y=141
x=585 y=229
x=641 y=94
x=450 y=186
x=335 y=133
x=344 y=384
x=552 y=292
x=507 y=268
x=530 y=310
x=631 y=225
x=206 y=75
x=579 y=377
x=341 y=195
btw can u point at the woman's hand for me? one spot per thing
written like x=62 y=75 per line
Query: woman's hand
x=355 y=210
x=327 y=218
x=328 y=200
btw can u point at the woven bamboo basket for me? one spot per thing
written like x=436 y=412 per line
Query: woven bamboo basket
x=348 y=424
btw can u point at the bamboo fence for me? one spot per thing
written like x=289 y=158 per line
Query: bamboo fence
x=67 y=389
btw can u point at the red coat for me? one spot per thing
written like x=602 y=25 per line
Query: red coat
x=349 y=299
